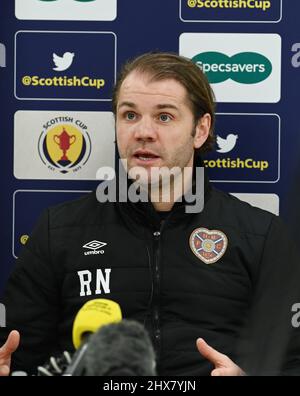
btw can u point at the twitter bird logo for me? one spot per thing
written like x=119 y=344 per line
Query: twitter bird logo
x=228 y=144
x=63 y=62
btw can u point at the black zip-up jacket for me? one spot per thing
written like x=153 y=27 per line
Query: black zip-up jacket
x=240 y=302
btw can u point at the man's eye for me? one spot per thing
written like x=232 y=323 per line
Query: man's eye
x=130 y=116
x=165 y=117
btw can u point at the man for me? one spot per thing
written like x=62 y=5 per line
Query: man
x=219 y=278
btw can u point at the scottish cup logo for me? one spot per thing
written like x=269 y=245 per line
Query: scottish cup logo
x=64 y=141
x=64 y=146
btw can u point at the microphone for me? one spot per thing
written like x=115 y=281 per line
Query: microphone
x=105 y=345
x=93 y=315
x=120 y=349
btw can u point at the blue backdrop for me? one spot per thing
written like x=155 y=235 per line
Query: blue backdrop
x=58 y=62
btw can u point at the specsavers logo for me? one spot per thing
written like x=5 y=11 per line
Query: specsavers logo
x=244 y=68
x=64 y=145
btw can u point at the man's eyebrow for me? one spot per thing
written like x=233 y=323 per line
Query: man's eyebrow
x=167 y=106
x=161 y=106
x=127 y=104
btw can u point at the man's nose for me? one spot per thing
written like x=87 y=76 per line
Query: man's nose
x=145 y=129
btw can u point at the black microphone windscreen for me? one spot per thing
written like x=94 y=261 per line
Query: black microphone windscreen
x=120 y=349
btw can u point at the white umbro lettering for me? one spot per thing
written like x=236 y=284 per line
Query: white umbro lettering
x=94 y=247
x=102 y=282
x=93 y=252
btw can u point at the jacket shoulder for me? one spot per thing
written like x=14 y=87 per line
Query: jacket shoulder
x=242 y=215
x=84 y=210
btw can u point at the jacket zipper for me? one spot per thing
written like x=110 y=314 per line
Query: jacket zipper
x=156 y=297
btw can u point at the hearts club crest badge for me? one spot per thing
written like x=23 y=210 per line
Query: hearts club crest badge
x=208 y=245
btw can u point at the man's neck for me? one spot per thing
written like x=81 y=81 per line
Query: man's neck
x=163 y=199
x=163 y=206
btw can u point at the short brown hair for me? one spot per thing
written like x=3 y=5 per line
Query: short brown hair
x=164 y=65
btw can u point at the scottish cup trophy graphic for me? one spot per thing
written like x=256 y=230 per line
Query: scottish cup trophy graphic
x=64 y=141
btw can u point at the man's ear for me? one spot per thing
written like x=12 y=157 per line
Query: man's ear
x=202 y=129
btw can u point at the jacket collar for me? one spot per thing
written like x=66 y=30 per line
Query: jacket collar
x=145 y=214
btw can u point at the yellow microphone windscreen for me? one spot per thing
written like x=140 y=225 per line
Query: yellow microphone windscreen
x=93 y=315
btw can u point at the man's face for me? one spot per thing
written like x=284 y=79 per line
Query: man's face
x=154 y=124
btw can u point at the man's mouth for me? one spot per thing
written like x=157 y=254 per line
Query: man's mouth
x=145 y=156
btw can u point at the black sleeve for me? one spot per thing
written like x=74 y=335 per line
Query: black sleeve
x=31 y=299
x=271 y=345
